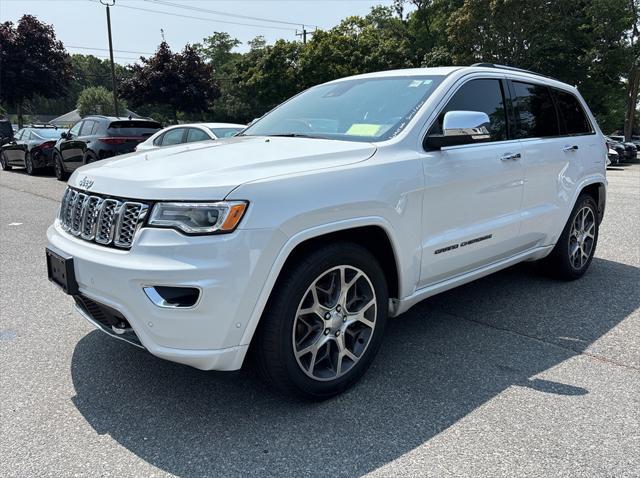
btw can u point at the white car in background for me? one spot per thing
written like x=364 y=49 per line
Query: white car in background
x=190 y=133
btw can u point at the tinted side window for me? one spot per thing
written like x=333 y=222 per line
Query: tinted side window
x=194 y=134
x=479 y=95
x=76 y=128
x=173 y=136
x=158 y=140
x=535 y=112
x=572 y=116
x=87 y=127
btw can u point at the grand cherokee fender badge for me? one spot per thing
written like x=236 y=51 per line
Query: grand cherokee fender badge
x=86 y=183
x=463 y=244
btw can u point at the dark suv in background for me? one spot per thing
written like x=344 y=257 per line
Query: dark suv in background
x=99 y=137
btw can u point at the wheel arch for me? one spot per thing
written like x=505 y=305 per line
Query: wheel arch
x=598 y=191
x=375 y=234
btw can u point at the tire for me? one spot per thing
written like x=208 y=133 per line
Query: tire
x=89 y=158
x=61 y=174
x=284 y=334
x=28 y=165
x=3 y=162
x=573 y=253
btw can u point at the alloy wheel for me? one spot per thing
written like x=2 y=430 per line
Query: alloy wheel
x=582 y=237
x=334 y=323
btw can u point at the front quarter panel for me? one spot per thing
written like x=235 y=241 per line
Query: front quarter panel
x=385 y=190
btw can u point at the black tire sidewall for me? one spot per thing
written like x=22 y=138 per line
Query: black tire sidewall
x=57 y=167
x=281 y=312
x=560 y=257
x=3 y=162
x=28 y=164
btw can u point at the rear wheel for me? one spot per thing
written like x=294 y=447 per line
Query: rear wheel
x=3 y=162
x=576 y=246
x=28 y=164
x=61 y=174
x=324 y=322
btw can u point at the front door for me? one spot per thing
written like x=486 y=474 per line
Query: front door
x=71 y=148
x=473 y=192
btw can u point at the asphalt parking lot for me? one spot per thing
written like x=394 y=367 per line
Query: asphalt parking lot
x=515 y=374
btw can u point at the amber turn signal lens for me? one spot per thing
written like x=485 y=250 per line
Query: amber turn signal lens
x=233 y=218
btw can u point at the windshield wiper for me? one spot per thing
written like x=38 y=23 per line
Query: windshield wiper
x=295 y=135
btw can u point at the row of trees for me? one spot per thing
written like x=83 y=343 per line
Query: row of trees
x=592 y=44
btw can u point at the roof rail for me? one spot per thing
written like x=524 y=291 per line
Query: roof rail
x=513 y=68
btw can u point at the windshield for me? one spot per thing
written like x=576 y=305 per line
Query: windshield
x=47 y=133
x=364 y=109
x=225 y=132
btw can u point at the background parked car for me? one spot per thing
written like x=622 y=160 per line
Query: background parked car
x=612 y=157
x=99 y=137
x=31 y=148
x=636 y=140
x=619 y=149
x=189 y=133
x=631 y=150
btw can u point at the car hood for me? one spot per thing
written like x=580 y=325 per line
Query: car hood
x=211 y=170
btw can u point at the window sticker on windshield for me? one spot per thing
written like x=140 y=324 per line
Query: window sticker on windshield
x=416 y=83
x=364 y=129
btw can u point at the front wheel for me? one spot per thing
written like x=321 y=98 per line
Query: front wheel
x=324 y=322
x=576 y=246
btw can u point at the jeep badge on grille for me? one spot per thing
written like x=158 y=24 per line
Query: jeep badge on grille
x=86 y=183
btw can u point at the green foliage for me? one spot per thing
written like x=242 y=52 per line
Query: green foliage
x=33 y=62
x=98 y=100
x=179 y=81
x=589 y=43
x=580 y=43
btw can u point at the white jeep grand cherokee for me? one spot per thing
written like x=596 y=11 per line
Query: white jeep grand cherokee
x=349 y=203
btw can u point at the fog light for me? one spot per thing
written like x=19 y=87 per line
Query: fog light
x=173 y=297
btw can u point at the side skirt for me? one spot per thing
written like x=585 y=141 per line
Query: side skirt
x=399 y=306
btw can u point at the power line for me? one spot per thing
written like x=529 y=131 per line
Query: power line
x=211 y=20
x=227 y=14
x=106 y=49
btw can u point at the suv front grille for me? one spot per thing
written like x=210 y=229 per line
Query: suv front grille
x=106 y=221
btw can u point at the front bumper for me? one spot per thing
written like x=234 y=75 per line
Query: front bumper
x=229 y=270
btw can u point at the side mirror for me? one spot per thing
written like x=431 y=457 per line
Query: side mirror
x=64 y=135
x=461 y=127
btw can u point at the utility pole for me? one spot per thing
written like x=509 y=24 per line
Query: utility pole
x=108 y=3
x=303 y=34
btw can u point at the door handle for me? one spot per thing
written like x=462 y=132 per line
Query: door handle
x=568 y=148
x=510 y=156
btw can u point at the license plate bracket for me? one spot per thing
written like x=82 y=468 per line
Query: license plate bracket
x=61 y=271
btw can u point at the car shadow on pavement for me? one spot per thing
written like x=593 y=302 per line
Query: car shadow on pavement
x=440 y=361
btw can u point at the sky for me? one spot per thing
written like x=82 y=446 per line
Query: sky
x=136 y=24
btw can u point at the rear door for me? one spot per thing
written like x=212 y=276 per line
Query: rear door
x=173 y=136
x=551 y=158
x=473 y=192
x=196 y=134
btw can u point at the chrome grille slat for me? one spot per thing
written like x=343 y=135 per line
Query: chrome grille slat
x=106 y=221
x=76 y=214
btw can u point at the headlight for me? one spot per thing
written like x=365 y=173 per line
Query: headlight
x=198 y=217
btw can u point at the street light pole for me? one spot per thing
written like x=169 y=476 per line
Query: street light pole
x=108 y=3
